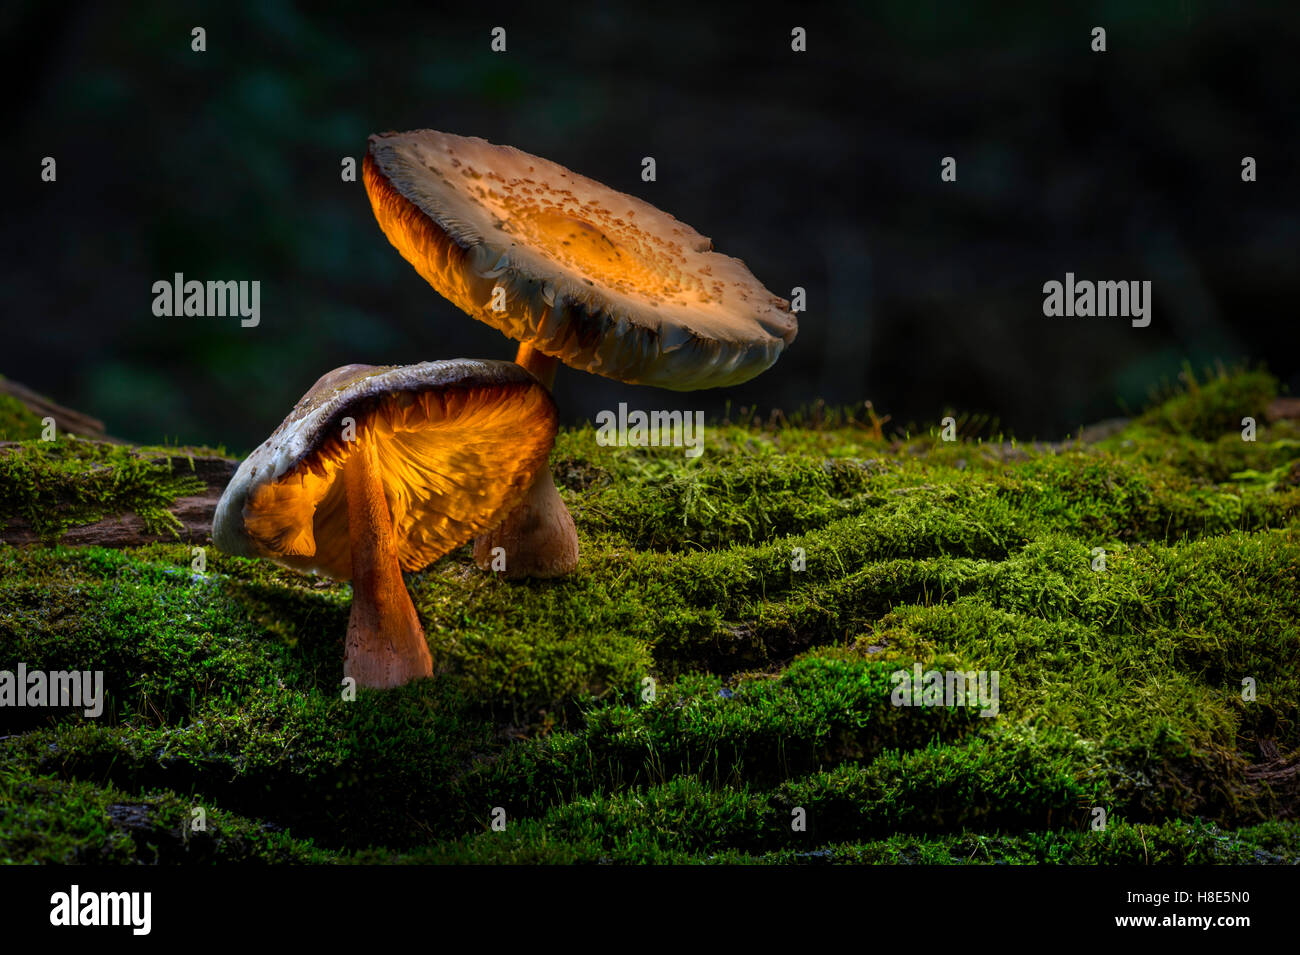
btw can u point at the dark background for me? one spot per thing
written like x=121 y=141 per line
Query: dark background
x=819 y=169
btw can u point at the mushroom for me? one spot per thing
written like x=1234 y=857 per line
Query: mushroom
x=379 y=470
x=588 y=276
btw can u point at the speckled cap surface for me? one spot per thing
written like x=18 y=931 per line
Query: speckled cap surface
x=458 y=442
x=601 y=280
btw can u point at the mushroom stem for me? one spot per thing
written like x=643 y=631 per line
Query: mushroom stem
x=537 y=538
x=541 y=365
x=385 y=644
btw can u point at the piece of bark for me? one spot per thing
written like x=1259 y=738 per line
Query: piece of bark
x=1280 y=408
x=127 y=530
x=65 y=419
x=1101 y=430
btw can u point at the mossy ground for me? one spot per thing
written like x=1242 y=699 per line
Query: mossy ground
x=17 y=423
x=1120 y=689
x=57 y=484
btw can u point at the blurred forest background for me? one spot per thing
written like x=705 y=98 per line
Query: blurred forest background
x=819 y=169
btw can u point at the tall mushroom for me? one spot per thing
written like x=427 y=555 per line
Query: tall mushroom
x=575 y=272
x=378 y=470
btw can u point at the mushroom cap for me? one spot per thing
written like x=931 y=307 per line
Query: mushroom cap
x=459 y=444
x=599 y=279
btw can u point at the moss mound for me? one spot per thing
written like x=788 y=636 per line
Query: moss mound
x=719 y=680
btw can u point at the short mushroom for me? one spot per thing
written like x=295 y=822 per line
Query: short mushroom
x=575 y=272
x=379 y=470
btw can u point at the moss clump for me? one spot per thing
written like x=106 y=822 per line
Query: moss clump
x=45 y=820
x=699 y=502
x=166 y=638
x=17 y=423
x=939 y=788
x=381 y=769
x=425 y=752
x=1122 y=843
x=53 y=485
x=1207 y=410
x=1200 y=432
x=767 y=591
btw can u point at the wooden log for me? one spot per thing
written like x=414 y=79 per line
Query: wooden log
x=1282 y=408
x=67 y=420
x=127 y=530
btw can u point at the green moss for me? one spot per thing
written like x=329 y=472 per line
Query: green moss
x=1175 y=842
x=378 y=769
x=938 y=788
x=769 y=590
x=166 y=639
x=17 y=423
x=1207 y=410
x=45 y=820
x=1121 y=843
x=53 y=485
x=755 y=497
